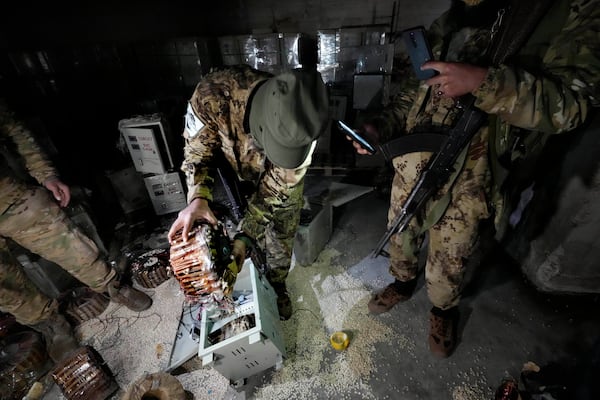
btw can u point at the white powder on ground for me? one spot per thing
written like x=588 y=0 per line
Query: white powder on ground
x=135 y=344
x=473 y=387
x=331 y=300
x=325 y=299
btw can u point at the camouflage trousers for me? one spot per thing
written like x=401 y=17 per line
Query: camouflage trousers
x=38 y=224
x=273 y=216
x=451 y=238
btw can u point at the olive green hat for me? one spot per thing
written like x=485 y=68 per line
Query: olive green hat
x=288 y=113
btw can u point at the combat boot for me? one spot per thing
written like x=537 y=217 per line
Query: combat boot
x=284 y=304
x=58 y=335
x=128 y=296
x=442 y=331
x=394 y=293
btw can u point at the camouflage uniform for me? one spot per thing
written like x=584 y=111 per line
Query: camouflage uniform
x=31 y=217
x=547 y=88
x=218 y=107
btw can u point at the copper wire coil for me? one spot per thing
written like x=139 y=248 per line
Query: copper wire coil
x=193 y=266
x=82 y=376
x=151 y=269
x=22 y=362
x=191 y=263
x=187 y=274
x=85 y=304
x=190 y=253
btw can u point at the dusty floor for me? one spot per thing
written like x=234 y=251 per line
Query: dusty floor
x=504 y=323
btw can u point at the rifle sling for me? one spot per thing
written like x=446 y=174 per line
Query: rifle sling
x=521 y=20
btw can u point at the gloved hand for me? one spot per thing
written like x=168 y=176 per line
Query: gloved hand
x=239 y=253
x=230 y=274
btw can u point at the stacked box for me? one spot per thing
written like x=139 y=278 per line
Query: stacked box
x=272 y=52
x=364 y=50
x=290 y=50
x=230 y=50
x=166 y=192
x=349 y=51
x=262 y=52
x=148 y=143
x=328 y=48
x=147 y=138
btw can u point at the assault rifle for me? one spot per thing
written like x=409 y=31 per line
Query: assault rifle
x=438 y=170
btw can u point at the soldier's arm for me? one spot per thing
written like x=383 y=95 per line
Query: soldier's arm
x=36 y=161
x=197 y=165
x=557 y=98
x=201 y=140
x=201 y=137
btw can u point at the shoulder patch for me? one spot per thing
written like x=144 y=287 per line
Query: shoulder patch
x=193 y=124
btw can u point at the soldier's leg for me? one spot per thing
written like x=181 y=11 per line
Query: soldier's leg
x=37 y=223
x=30 y=307
x=452 y=239
x=403 y=247
x=272 y=220
x=18 y=295
x=451 y=243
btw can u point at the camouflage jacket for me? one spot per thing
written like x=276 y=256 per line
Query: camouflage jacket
x=215 y=122
x=18 y=141
x=548 y=87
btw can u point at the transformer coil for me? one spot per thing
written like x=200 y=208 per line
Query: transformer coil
x=151 y=268
x=83 y=376
x=84 y=304
x=23 y=358
x=200 y=263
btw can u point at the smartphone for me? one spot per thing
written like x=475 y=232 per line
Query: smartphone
x=419 y=51
x=357 y=138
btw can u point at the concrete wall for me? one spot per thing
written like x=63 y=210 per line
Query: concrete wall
x=558 y=241
x=23 y=24
x=312 y=15
x=558 y=248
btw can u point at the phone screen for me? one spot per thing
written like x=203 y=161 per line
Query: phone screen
x=357 y=138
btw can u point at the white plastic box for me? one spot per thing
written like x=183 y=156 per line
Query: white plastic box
x=254 y=350
x=147 y=138
x=166 y=193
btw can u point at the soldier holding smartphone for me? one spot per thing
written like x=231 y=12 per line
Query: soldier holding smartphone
x=519 y=62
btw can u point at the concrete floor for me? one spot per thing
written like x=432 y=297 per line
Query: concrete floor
x=504 y=323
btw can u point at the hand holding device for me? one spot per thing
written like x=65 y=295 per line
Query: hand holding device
x=357 y=138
